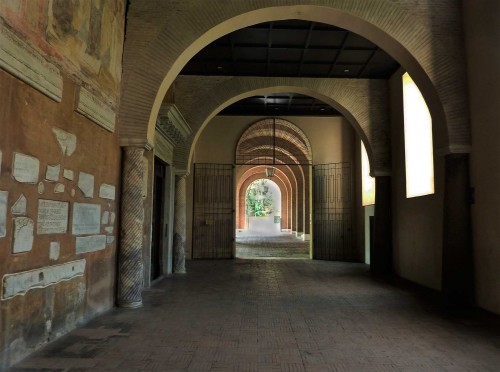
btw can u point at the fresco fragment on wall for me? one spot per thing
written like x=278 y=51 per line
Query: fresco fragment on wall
x=84 y=38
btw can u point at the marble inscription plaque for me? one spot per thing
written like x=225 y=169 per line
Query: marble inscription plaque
x=86 y=244
x=23 y=235
x=59 y=188
x=86 y=219
x=54 y=250
x=69 y=174
x=86 y=184
x=20 y=205
x=67 y=141
x=4 y=196
x=52 y=217
x=25 y=168
x=20 y=283
x=107 y=191
x=105 y=218
x=52 y=173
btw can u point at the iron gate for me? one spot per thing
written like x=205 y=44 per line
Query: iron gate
x=332 y=226
x=213 y=211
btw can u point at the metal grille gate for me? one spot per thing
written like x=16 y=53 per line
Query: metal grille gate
x=213 y=211
x=332 y=226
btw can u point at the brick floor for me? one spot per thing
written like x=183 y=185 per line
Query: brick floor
x=279 y=246
x=277 y=315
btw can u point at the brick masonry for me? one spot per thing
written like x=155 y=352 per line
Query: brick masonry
x=424 y=36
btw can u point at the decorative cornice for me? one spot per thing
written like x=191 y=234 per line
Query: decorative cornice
x=24 y=62
x=94 y=108
x=172 y=125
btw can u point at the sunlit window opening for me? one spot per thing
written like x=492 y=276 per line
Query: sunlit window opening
x=418 y=141
x=367 y=182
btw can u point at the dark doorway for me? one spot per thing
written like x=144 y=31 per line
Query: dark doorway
x=158 y=241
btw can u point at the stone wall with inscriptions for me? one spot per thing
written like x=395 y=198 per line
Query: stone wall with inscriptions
x=59 y=188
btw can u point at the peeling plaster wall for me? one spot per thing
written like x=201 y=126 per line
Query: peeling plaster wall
x=60 y=296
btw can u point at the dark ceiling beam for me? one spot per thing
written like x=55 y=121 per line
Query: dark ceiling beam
x=367 y=62
x=334 y=63
x=306 y=46
x=269 y=45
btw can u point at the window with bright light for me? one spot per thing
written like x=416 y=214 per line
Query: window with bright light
x=367 y=182
x=418 y=141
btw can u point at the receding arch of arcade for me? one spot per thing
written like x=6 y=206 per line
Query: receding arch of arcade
x=281 y=145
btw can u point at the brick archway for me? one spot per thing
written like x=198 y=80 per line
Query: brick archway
x=363 y=103
x=420 y=37
x=241 y=190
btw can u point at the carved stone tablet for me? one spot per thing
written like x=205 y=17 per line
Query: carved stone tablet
x=86 y=244
x=67 y=141
x=4 y=195
x=86 y=219
x=59 y=188
x=19 y=206
x=41 y=188
x=54 y=250
x=86 y=184
x=105 y=218
x=52 y=217
x=25 y=168
x=20 y=283
x=23 y=235
x=107 y=191
x=52 y=173
x=69 y=174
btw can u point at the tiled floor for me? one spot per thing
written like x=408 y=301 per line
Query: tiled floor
x=277 y=315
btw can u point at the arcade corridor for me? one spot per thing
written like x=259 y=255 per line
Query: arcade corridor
x=276 y=315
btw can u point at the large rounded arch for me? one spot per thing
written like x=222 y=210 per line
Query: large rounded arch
x=362 y=102
x=154 y=55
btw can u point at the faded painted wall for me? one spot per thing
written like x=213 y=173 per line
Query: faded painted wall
x=83 y=38
x=59 y=174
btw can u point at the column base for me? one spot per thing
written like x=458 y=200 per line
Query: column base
x=132 y=305
x=306 y=237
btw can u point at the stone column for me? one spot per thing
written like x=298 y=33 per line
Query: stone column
x=180 y=225
x=458 y=260
x=130 y=282
x=381 y=252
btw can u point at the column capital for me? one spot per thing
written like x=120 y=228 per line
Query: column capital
x=139 y=143
x=181 y=173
